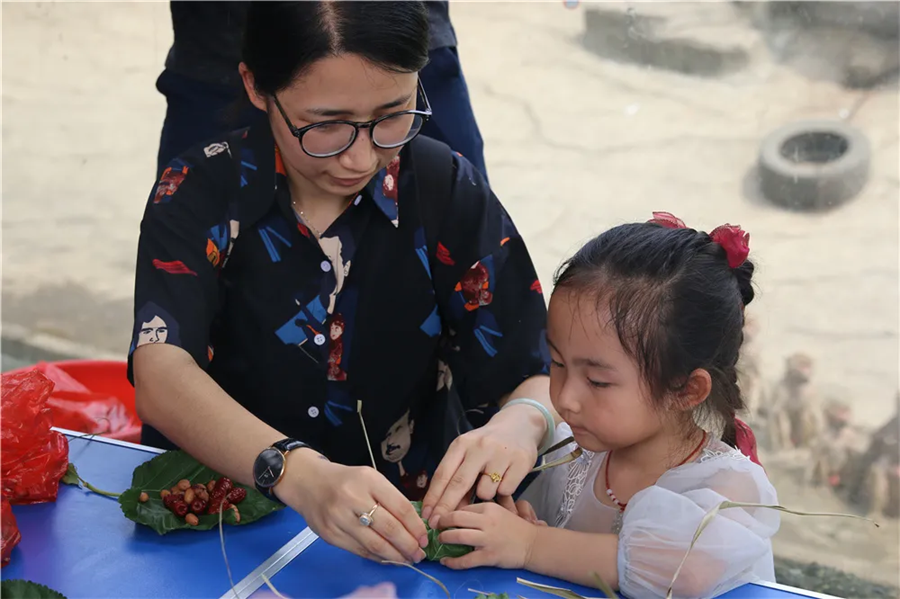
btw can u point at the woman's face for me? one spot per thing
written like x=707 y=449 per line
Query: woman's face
x=346 y=87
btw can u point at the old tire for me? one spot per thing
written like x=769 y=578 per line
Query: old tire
x=813 y=165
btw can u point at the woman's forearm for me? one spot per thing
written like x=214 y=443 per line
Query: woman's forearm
x=575 y=556
x=178 y=398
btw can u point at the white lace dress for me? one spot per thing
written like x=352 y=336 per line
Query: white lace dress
x=659 y=522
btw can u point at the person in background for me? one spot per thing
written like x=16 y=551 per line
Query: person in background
x=203 y=88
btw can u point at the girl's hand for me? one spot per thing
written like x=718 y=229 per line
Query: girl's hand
x=500 y=538
x=331 y=497
x=521 y=508
x=506 y=446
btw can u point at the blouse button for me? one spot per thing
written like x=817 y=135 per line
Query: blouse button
x=325 y=265
x=319 y=339
x=313 y=412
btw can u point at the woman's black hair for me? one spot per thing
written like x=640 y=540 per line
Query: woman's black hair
x=676 y=305
x=283 y=39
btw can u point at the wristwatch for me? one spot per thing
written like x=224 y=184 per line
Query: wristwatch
x=269 y=466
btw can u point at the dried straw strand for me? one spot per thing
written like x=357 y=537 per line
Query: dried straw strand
x=545 y=588
x=428 y=576
x=365 y=433
x=224 y=553
x=271 y=586
x=604 y=586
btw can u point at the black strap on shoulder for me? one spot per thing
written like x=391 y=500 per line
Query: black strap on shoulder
x=433 y=161
x=434 y=172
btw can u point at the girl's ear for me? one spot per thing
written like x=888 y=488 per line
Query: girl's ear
x=695 y=391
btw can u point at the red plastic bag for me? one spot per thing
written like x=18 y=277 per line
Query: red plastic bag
x=76 y=408
x=10 y=531
x=34 y=457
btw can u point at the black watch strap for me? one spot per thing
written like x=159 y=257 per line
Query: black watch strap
x=287 y=445
x=284 y=446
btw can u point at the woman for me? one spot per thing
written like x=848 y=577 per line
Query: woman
x=325 y=257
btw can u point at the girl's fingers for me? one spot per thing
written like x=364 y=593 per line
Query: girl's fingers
x=506 y=502
x=461 y=519
x=469 y=560
x=495 y=468
x=462 y=536
x=525 y=510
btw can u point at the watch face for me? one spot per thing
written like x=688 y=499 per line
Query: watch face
x=268 y=467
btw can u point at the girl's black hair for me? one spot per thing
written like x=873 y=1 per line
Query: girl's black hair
x=282 y=39
x=676 y=305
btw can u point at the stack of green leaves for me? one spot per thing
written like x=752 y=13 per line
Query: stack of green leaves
x=436 y=550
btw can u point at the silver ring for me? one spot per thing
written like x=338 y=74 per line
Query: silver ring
x=366 y=519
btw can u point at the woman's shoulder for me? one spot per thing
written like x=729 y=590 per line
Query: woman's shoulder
x=205 y=183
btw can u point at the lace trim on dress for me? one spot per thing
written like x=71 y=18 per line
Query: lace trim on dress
x=577 y=477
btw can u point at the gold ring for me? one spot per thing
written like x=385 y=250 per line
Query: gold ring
x=366 y=519
x=495 y=478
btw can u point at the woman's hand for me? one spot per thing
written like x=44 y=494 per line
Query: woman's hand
x=331 y=497
x=500 y=537
x=506 y=446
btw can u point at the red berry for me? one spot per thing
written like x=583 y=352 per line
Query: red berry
x=198 y=506
x=237 y=495
x=181 y=509
x=171 y=500
x=223 y=485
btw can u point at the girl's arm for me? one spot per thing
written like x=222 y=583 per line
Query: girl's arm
x=574 y=556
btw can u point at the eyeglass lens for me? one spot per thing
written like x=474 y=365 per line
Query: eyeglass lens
x=330 y=138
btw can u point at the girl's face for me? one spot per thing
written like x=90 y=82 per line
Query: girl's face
x=347 y=88
x=594 y=385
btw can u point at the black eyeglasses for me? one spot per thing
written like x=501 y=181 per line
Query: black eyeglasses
x=330 y=138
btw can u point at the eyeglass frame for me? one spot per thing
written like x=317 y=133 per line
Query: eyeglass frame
x=357 y=125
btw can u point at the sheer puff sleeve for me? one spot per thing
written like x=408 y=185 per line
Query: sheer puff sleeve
x=660 y=521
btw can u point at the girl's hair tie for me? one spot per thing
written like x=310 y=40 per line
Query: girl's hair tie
x=732 y=238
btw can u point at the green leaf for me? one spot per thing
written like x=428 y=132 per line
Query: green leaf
x=25 y=589
x=436 y=550
x=71 y=476
x=487 y=595
x=163 y=472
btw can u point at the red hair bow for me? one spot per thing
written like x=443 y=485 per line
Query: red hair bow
x=735 y=240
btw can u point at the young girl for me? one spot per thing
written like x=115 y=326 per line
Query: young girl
x=645 y=328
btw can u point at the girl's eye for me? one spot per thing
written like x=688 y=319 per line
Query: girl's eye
x=599 y=385
x=556 y=364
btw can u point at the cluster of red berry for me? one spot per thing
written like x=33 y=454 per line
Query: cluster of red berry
x=190 y=501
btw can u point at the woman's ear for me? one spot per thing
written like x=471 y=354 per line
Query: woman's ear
x=257 y=99
x=695 y=390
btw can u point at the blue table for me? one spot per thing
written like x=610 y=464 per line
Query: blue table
x=82 y=546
